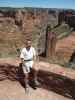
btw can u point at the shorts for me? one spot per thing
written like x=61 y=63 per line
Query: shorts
x=26 y=66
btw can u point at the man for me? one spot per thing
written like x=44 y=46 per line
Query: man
x=28 y=57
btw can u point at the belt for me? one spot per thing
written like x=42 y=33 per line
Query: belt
x=28 y=60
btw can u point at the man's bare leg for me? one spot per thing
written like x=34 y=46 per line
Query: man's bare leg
x=26 y=81
x=36 y=78
x=36 y=67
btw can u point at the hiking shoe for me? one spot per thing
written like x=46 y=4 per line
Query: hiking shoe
x=27 y=89
x=36 y=83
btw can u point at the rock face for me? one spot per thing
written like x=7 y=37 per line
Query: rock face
x=68 y=16
x=18 y=25
x=66 y=47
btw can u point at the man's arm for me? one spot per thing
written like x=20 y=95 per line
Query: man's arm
x=34 y=55
x=22 y=56
x=34 y=58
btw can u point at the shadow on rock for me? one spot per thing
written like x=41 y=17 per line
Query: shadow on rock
x=48 y=80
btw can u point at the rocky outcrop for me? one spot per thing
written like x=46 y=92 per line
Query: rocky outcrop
x=18 y=25
x=68 y=16
x=65 y=48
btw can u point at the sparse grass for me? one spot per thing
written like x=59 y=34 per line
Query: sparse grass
x=62 y=31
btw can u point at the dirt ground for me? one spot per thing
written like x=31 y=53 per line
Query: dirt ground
x=14 y=91
x=57 y=83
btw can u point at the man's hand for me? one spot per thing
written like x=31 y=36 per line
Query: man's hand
x=34 y=58
x=22 y=60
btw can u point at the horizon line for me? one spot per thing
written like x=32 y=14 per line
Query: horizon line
x=37 y=7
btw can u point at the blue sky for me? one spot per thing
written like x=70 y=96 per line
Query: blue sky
x=39 y=3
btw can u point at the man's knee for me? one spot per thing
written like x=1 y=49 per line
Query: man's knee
x=26 y=75
x=36 y=66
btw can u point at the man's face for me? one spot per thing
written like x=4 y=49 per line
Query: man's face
x=28 y=44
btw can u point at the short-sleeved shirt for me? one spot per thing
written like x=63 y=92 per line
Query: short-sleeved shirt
x=28 y=54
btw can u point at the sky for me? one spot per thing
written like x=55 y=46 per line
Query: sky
x=68 y=4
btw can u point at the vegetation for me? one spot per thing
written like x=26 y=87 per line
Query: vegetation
x=63 y=30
